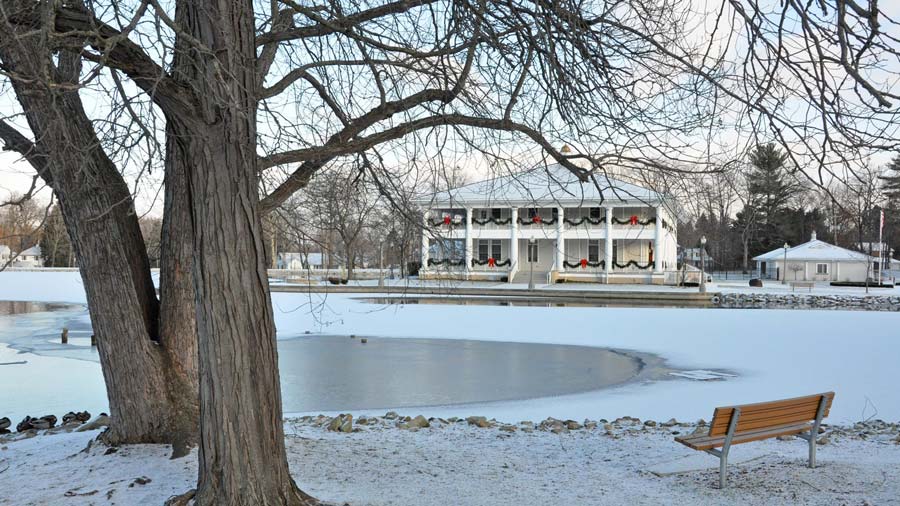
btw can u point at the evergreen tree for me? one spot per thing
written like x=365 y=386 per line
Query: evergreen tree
x=770 y=193
x=891 y=185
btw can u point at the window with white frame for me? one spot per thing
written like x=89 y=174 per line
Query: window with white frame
x=821 y=268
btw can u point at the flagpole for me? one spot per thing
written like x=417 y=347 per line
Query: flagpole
x=880 y=246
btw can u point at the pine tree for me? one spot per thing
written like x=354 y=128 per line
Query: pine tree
x=891 y=188
x=770 y=193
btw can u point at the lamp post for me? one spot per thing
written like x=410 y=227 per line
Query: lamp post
x=784 y=267
x=381 y=265
x=889 y=258
x=702 y=264
x=530 y=257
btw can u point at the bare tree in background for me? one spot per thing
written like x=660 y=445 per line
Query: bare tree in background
x=342 y=201
x=404 y=87
x=55 y=245
x=20 y=222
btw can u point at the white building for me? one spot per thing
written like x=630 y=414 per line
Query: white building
x=27 y=259
x=299 y=261
x=548 y=222
x=694 y=256
x=817 y=261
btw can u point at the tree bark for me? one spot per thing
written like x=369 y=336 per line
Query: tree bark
x=242 y=453
x=178 y=310
x=100 y=219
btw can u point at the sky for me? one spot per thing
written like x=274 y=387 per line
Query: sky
x=16 y=176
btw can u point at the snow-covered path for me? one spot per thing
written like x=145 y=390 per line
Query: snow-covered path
x=775 y=353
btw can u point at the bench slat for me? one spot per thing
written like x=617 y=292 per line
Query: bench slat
x=782 y=416
x=781 y=412
x=705 y=442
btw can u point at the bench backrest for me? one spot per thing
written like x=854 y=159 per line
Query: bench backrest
x=770 y=414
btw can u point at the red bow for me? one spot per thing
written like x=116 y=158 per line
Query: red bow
x=536 y=218
x=584 y=263
x=634 y=219
x=491 y=262
x=446 y=220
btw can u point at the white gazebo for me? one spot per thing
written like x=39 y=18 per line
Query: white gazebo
x=547 y=225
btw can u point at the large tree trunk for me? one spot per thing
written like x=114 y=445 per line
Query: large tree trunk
x=103 y=227
x=242 y=452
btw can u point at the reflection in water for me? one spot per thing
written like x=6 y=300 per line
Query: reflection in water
x=532 y=301
x=341 y=373
x=11 y=307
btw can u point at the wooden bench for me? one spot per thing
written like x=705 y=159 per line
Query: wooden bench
x=802 y=284
x=732 y=425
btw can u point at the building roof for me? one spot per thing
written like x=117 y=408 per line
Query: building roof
x=815 y=250
x=543 y=184
x=32 y=251
x=4 y=249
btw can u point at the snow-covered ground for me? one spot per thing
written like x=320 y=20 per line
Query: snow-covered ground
x=466 y=466
x=775 y=353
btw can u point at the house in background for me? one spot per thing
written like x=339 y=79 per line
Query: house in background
x=693 y=257
x=299 y=261
x=27 y=259
x=817 y=261
x=549 y=222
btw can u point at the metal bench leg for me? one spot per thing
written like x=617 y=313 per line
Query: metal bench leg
x=814 y=432
x=723 y=466
x=723 y=453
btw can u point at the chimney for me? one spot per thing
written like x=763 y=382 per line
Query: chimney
x=812 y=237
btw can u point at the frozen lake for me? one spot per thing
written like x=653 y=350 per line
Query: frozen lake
x=318 y=373
x=340 y=373
x=774 y=354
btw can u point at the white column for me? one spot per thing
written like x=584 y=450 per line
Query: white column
x=560 y=240
x=468 y=254
x=608 y=242
x=425 y=240
x=657 y=242
x=514 y=240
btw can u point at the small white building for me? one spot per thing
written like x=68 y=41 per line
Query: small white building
x=299 y=261
x=817 y=261
x=27 y=259
x=547 y=222
x=694 y=256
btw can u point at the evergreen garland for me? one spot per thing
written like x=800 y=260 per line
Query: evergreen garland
x=581 y=220
x=446 y=261
x=633 y=263
x=497 y=263
x=495 y=221
x=617 y=221
x=530 y=221
x=570 y=265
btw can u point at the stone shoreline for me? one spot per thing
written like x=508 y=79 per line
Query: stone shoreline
x=808 y=301
x=880 y=430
